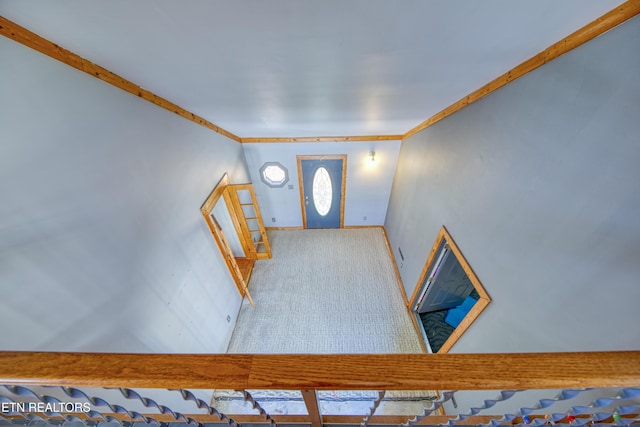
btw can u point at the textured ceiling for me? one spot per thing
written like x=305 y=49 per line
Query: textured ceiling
x=307 y=68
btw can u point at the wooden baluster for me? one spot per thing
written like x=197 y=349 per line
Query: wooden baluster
x=313 y=408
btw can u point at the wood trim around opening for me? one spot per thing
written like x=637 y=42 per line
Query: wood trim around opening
x=609 y=20
x=342 y=157
x=478 y=307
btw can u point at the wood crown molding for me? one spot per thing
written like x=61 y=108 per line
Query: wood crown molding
x=27 y=38
x=606 y=22
x=324 y=139
x=30 y=39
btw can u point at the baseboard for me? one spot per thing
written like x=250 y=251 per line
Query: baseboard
x=404 y=294
x=395 y=265
x=346 y=227
x=283 y=228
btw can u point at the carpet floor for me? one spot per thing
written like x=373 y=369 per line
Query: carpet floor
x=325 y=292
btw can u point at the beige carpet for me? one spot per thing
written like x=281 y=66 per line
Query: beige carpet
x=325 y=291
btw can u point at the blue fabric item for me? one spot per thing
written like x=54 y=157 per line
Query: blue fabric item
x=455 y=315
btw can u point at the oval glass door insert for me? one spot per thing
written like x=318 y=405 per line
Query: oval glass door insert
x=322 y=191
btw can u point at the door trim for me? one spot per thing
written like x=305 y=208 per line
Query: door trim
x=444 y=238
x=342 y=157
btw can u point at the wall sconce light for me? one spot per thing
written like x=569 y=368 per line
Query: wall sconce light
x=372 y=156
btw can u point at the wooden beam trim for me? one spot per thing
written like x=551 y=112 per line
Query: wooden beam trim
x=27 y=38
x=606 y=22
x=255 y=140
x=324 y=372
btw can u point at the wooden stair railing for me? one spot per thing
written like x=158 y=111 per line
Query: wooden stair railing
x=576 y=373
x=324 y=372
x=246 y=215
x=241 y=206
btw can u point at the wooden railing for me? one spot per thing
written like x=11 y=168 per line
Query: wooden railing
x=310 y=373
x=325 y=372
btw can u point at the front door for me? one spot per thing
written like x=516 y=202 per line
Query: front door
x=322 y=189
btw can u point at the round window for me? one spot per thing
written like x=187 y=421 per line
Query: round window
x=274 y=174
x=322 y=191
